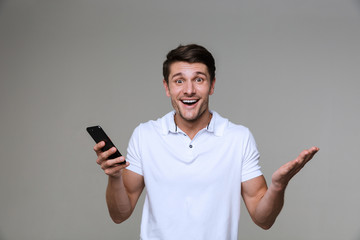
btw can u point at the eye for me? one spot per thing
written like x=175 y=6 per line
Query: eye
x=179 y=81
x=199 y=80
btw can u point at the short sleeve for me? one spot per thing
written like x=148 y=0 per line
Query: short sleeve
x=134 y=153
x=251 y=167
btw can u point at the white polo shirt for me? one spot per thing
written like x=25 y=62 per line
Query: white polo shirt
x=193 y=187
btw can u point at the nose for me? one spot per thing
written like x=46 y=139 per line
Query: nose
x=189 y=88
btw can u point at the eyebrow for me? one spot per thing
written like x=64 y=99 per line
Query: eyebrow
x=196 y=73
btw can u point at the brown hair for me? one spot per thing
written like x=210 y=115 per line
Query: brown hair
x=191 y=53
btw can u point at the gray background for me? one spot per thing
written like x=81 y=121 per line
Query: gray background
x=288 y=70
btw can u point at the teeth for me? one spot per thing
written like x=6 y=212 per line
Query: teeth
x=189 y=101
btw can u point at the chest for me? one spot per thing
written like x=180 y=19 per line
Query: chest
x=207 y=161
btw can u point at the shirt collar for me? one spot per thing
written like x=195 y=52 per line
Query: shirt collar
x=217 y=124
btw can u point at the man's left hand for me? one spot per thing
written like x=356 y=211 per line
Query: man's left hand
x=282 y=176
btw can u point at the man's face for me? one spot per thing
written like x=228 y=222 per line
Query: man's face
x=189 y=89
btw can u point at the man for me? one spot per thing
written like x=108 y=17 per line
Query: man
x=195 y=164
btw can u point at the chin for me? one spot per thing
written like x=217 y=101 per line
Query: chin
x=188 y=118
x=191 y=117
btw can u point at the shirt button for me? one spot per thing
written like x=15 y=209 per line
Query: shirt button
x=190 y=146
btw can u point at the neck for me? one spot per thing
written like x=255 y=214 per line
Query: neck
x=191 y=128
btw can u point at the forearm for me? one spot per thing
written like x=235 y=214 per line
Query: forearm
x=269 y=207
x=117 y=200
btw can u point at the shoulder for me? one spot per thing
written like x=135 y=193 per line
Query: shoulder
x=238 y=129
x=160 y=125
x=223 y=126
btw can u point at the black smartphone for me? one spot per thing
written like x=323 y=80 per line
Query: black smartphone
x=98 y=134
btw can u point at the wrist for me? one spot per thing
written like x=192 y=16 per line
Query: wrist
x=115 y=177
x=277 y=187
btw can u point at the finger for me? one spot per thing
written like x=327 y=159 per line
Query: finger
x=103 y=156
x=313 y=151
x=304 y=157
x=309 y=154
x=292 y=168
x=98 y=147
x=108 y=153
x=115 y=169
x=110 y=163
x=120 y=160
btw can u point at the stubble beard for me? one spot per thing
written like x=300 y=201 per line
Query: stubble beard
x=202 y=110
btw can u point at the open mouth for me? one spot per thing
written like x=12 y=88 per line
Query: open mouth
x=189 y=102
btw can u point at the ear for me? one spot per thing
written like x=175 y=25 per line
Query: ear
x=212 y=87
x=166 y=86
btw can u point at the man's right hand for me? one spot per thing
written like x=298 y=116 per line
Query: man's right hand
x=111 y=167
